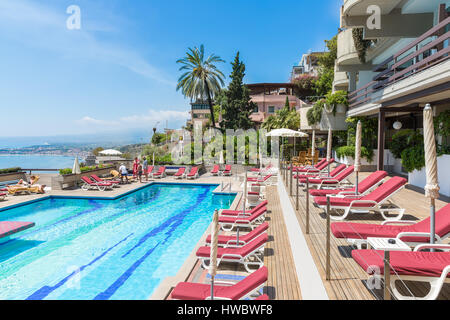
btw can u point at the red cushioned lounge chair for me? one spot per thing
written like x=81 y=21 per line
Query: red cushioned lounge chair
x=330 y=182
x=321 y=168
x=150 y=169
x=2 y=195
x=249 y=287
x=430 y=267
x=8 y=228
x=161 y=173
x=262 y=180
x=370 y=202
x=89 y=184
x=216 y=170
x=228 y=223
x=115 y=183
x=228 y=212
x=411 y=232
x=333 y=173
x=251 y=254
x=263 y=169
x=181 y=173
x=321 y=162
x=231 y=241
x=227 y=171
x=193 y=174
x=364 y=187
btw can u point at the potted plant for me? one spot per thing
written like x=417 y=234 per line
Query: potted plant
x=337 y=102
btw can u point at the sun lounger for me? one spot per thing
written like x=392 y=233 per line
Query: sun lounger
x=263 y=169
x=228 y=223
x=317 y=169
x=181 y=173
x=2 y=195
x=150 y=169
x=227 y=171
x=364 y=187
x=261 y=180
x=15 y=190
x=89 y=184
x=331 y=182
x=320 y=163
x=253 y=199
x=429 y=267
x=231 y=241
x=193 y=174
x=114 y=183
x=370 y=202
x=411 y=232
x=228 y=212
x=333 y=173
x=216 y=170
x=249 y=255
x=8 y=228
x=246 y=288
x=161 y=173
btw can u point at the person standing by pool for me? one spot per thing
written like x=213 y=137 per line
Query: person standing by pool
x=139 y=172
x=123 y=172
x=145 y=168
x=135 y=166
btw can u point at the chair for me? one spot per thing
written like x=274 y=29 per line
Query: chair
x=315 y=166
x=227 y=171
x=429 y=267
x=246 y=288
x=228 y=223
x=364 y=187
x=181 y=173
x=150 y=169
x=320 y=168
x=193 y=174
x=329 y=182
x=2 y=196
x=113 y=182
x=89 y=184
x=333 y=173
x=216 y=170
x=231 y=241
x=261 y=180
x=372 y=201
x=161 y=173
x=248 y=255
x=15 y=190
x=411 y=232
x=253 y=199
x=228 y=212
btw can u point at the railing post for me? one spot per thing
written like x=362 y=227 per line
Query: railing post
x=387 y=275
x=307 y=205
x=297 y=200
x=290 y=180
x=328 y=249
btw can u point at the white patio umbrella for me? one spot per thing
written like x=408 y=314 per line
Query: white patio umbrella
x=213 y=253
x=357 y=164
x=432 y=186
x=76 y=166
x=221 y=158
x=329 y=146
x=286 y=133
x=313 y=151
x=110 y=152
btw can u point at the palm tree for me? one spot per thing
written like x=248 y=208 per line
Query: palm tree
x=201 y=78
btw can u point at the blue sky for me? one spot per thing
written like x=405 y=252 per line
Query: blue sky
x=118 y=72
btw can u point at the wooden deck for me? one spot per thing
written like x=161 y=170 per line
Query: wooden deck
x=348 y=280
x=282 y=283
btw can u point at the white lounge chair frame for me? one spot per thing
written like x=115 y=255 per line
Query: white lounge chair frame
x=243 y=223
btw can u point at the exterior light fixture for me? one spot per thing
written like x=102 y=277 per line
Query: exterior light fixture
x=398 y=125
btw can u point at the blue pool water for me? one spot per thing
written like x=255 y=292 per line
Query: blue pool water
x=105 y=249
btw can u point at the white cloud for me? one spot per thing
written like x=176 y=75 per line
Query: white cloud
x=157 y=115
x=92 y=121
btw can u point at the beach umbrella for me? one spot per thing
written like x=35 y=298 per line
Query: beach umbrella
x=358 y=153
x=432 y=186
x=110 y=152
x=76 y=166
x=329 y=144
x=213 y=253
x=286 y=133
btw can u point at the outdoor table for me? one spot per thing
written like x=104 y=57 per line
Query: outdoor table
x=384 y=245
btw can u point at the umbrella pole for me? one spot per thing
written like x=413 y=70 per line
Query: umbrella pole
x=432 y=222
x=357 y=183
x=212 y=287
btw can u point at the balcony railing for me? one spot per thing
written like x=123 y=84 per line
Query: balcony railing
x=426 y=51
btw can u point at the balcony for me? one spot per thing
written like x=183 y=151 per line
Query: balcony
x=346 y=50
x=359 y=7
x=417 y=66
x=340 y=81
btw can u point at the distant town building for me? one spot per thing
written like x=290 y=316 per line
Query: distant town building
x=199 y=112
x=308 y=65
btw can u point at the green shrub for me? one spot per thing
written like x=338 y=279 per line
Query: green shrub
x=10 y=170
x=349 y=151
x=401 y=141
x=339 y=97
x=314 y=115
x=84 y=169
x=413 y=158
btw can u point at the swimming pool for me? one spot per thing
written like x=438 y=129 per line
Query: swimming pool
x=105 y=249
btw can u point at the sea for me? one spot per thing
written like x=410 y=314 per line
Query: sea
x=36 y=161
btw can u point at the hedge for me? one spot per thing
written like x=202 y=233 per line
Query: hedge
x=10 y=170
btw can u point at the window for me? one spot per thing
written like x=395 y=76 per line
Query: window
x=256 y=109
x=271 y=109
